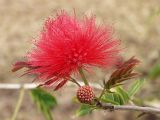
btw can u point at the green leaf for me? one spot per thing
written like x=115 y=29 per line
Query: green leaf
x=113 y=98
x=84 y=110
x=124 y=95
x=155 y=72
x=45 y=101
x=135 y=87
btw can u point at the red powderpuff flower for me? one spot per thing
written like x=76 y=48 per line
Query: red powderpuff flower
x=67 y=44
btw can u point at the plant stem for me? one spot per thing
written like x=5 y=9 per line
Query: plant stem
x=83 y=76
x=103 y=91
x=74 y=81
x=21 y=95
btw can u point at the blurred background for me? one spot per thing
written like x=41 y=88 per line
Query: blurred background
x=136 y=24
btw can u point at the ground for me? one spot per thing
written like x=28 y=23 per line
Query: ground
x=136 y=23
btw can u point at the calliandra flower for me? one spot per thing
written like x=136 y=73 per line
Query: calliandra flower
x=66 y=44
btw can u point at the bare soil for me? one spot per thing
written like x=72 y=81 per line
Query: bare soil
x=136 y=24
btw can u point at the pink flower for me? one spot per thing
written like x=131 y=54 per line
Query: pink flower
x=67 y=44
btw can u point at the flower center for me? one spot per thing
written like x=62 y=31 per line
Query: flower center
x=76 y=57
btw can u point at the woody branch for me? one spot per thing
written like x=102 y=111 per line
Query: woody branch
x=129 y=108
x=101 y=105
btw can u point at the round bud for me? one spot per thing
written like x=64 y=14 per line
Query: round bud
x=85 y=94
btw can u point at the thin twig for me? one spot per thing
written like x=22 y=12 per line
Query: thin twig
x=19 y=102
x=16 y=86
